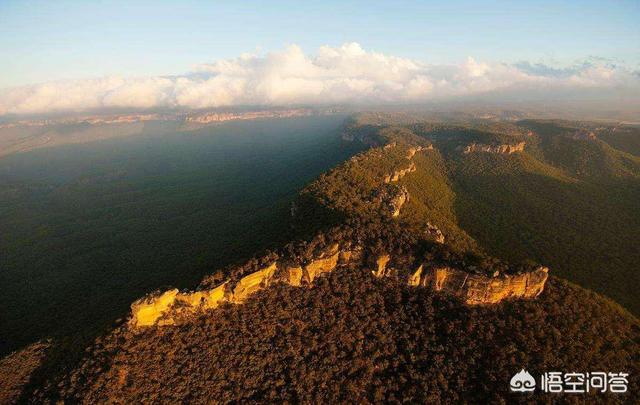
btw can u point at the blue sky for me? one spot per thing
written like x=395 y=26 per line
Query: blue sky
x=42 y=41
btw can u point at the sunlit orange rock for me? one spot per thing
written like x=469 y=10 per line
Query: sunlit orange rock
x=252 y=283
x=381 y=265
x=473 y=289
x=319 y=266
x=505 y=149
x=293 y=276
x=147 y=311
x=398 y=174
x=476 y=289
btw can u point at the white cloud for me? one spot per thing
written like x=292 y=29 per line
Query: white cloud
x=345 y=74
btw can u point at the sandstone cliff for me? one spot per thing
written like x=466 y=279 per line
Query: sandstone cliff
x=167 y=308
x=476 y=289
x=504 y=149
x=393 y=199
x=398 y=174
x=415 y=149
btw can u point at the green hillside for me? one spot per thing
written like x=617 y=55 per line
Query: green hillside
x=569 y=203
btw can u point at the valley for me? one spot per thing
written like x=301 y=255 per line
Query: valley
x=89 y=228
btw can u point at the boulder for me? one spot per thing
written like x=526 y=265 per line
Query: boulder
x=381 y=265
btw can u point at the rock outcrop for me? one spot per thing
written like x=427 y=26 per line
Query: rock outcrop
x=583 y=135
x=323 y=264
x=381 y=266
x=252 y=283
x=163 y=309
x=415 y=149
x=396 y=200
x=433 y=233
x=398 y=174
x=504 y=149
x=474 y=289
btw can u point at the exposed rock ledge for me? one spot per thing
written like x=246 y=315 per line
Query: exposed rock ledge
x=398 y=174
x=476 y=289
x=504 y=149
x=394 y=199
x=415 y=149
x=167 y=307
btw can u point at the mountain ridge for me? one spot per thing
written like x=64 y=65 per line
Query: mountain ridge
x=408 y=212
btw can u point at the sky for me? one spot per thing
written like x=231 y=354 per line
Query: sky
x=127 y=44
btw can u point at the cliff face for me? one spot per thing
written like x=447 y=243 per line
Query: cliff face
x=398 y=174
x=165 y=308
x=499 y=149
x=213 y=117
x=473 y=289
x=413 y=150
x=394 y=200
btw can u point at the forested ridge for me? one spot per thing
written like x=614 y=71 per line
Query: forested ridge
x=355 y=338
x=567 y=200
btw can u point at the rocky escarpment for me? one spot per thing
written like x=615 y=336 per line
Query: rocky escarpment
x=398 y=174
x=391 y=198
x=167 y=308
x=476 y=289
x=504 y=149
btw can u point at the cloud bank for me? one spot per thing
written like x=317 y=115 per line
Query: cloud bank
x=333 y=75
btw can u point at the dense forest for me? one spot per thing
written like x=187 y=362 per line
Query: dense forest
x=453 y=193
x=355 y=338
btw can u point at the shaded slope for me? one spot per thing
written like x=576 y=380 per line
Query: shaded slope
x=87 y=229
